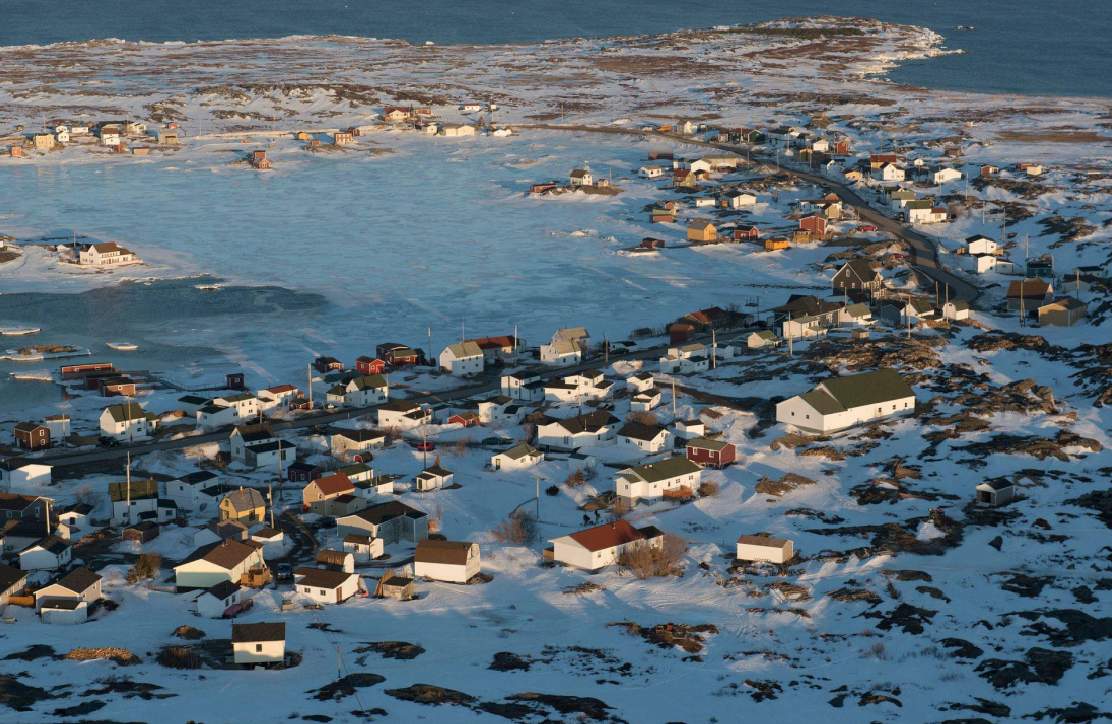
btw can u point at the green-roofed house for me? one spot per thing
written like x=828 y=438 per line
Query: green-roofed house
x=655 y=480
x=520 y=456
x=842 y=402
x=126 y=421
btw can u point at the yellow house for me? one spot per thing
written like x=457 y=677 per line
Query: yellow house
x=44 y=141
x=776 y=244
x=701 y=231
x=245 y=504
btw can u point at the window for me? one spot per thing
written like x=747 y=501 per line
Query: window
x=258 y=648
x=306 y=589
x=323 y=592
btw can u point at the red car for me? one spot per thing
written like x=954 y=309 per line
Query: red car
x=867 y=227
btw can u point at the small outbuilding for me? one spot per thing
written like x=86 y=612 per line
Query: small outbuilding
x=442 y=560
x=996 y=492
x=764 y=548
x=258 y=643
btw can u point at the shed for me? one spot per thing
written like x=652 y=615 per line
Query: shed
x=258 y=643
x=996 y=492
x=764 y=548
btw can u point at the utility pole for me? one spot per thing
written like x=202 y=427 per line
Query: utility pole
x=673 y=395
x=431 y=358
x=789 y=328
x=908 y=315
x=127 y=486
x=309 y=378
x=713 y=349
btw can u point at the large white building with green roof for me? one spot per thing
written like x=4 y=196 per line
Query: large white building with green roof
x=842 y=402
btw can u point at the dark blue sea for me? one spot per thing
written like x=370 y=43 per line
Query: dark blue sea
x=1024 y=46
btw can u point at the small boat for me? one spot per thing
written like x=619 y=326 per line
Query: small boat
x=38 y=354
x=967 y=27
x=207 y=287
x=33 y=376
x=122 y=346
x=19 y=331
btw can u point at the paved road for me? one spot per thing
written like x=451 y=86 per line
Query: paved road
x=59 y=457
x=924 y=249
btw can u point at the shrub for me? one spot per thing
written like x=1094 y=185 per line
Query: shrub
x=645 y=561
x=707 y=489
x=552 y=490
x=520 y=528
x=575 y=479
x=645 y=418
x=146 y=566
x=179 y=657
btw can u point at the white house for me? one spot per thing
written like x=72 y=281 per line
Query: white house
x=690 y=429
x=392 y=522
x=523 y=386
x=106 y=254
x=651 y=172
x=956 y=310
x=926 y=214
x=109 y=138
x=212 y=416
x=462 y=358
x=363 y=547
x=645 y=401
x=277 y=398
x=738 y=200
x=685 y=359
x=16 y=474
x=945 y=175
x=656 y=479
x=403 y=415
x=215 y=601
x=890 y=172
x=567 y=347
x=326 y=585
x=603 y=545
x=360 y=391
x=456 y=130
x=647 y=439
x=224 y=560
x=442 y=560
x=980 y=244
x=80 y=584
x=842 y=402
x=12 y=581
x=49 y=554
x=981 y=263
x=245 y=435
x=574 y=432
x=520 y=456
x=344 y=441
x=187 y=491
x=126 y=421
x=245 y=404
x=761 y=338
x=899 y=198
x=764 y=548
x=500 y=409
x=433 y=478
x=579 y=387
x=640 y=382
x=258 y=643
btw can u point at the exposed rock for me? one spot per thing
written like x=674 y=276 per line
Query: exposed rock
x=855 y=594
x=20 y=696
x=962 y=649
x=666 y=635
x=1075 y=713
x=1024 y=585
x=764 y=690
x=32 y=652
x=1037 y=447
x=189 y=633
x=786 y=484
x=1041 y=666
x=1098 y=500
x=85 y=707
x=431 y=694
x=910 y=619
x=506 y=661
x=129 y=689
x=391 y=649
x=907 y=574
x=570 y=706
x=1079 y=627
x=345 y=687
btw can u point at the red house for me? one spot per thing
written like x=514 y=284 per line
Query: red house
x=815 y=224
x=650 y=242
x=841 y=147
x=300 y=472
x=708 y=452
x=84 y=368
x=747 y=233
x=31 y=435
x=121 y=386
x=370 y=365
x=467 y=419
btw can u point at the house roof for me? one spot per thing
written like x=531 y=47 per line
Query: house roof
x=1065 y=303
x=378 y=514
x=663 y=470
x=443 y=551
x=520 y=450
x=369 y=382
x=250 y=632
x=998 y=483
x=137 y=490
x=10 y=576
x=708 y=443
x=323 y=578
x=859 y=268
x=466 y=348
x=763 y=540
x=225 y=553
x=640 y=431
x=334 y=484
x=328 y=557
x=590 y=422
x=126 y=411
x=607 y=535
x=53 y=544
x=244 y=499
x=1028 y=289
x=359 y=435
x=266 y=532
x=252 y=433
x=222 y=590
x=869 y=388
x=197 y=476
x=79 y=579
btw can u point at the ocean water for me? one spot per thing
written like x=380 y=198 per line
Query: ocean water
x=1023 y=46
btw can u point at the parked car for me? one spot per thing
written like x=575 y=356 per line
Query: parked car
x=106 y=441
x=283 y=572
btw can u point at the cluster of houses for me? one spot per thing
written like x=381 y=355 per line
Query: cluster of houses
x=116 y=135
